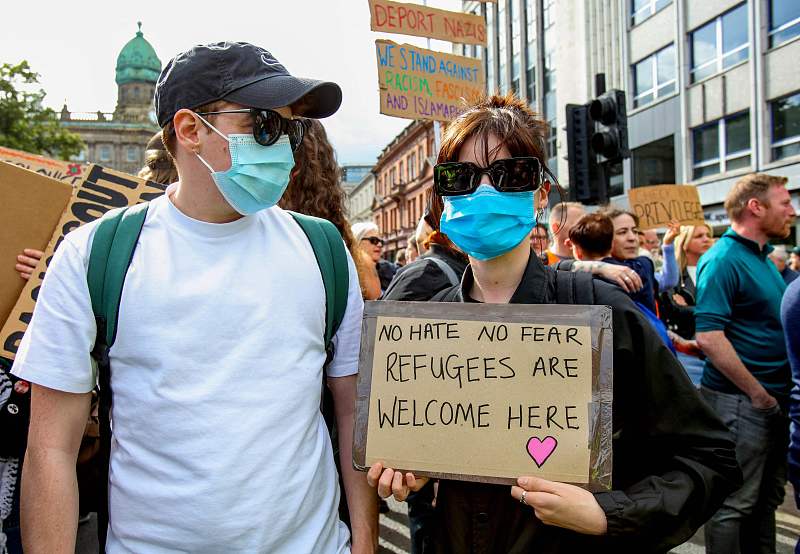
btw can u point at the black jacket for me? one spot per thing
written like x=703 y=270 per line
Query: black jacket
x=674 y=460
x=422 y=279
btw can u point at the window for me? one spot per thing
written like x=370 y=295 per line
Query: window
x=491 y=47
x=516 y=35
x=654 y=77
x=132 y=154
x=642 y=9
x=719 y=44
x=722 y=145
x=412 y=166
x=530 y=50
x=393 y=178
x=105 y=153
x=785 y=127
x=784 y=21
x=502 y=35
x=654 y=163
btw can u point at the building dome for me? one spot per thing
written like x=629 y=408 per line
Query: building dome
x=137 y=62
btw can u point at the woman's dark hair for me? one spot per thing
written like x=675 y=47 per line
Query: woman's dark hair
x=315 y=185
x=594 y=234
x=613 y=213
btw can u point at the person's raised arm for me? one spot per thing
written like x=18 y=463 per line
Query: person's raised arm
x=668 y=276
x=49 y=483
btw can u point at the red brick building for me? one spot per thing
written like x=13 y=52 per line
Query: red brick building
x=404 y=183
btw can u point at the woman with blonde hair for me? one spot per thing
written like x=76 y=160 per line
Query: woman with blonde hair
x=677 y=304
x=674 y=461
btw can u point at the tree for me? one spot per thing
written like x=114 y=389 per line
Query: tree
x=25 y=124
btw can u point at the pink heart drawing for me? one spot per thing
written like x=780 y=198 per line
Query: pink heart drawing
x=541 y=449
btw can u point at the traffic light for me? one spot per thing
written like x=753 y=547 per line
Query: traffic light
x=597 y=137
x=610 y=138
x=583 y=183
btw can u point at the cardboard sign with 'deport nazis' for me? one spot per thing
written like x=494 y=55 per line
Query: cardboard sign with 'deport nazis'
x=486 y=392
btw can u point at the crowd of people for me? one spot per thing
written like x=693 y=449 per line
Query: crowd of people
x=222 y=297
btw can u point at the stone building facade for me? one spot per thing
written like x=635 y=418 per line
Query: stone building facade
x=117 y=140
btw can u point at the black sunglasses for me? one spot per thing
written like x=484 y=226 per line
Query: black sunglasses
x=521 y=174
x=269 y=125
x=375 y=241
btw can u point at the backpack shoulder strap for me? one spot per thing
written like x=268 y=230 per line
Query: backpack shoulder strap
x=112 y=251
x=448 y=271
x=331 y=257
x=574 y=287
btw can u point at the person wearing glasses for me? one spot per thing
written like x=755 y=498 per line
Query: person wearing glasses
x=673 y=460
x=368 y=237
x=218 y=439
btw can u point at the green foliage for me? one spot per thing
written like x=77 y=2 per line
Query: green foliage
x=25 y=124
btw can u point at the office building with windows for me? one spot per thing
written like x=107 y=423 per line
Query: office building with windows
x=713 y=87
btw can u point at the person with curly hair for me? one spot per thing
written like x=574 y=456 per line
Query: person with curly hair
x=315 y=189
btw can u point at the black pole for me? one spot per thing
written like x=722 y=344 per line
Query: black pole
x=599 y=83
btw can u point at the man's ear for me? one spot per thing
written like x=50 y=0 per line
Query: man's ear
x=187 y=130
x=755 y=206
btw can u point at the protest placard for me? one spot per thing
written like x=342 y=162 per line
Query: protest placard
x=31 y=206
x=69 y=172
x=422 y=21
x=100 y=190
x=486 y=392
x=416 y=83
x=657 y=205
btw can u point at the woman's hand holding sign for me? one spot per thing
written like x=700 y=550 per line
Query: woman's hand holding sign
x=390 y=482
x=562 y=505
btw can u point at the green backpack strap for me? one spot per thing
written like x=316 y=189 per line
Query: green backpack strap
x=112 y=251
x=331 y=257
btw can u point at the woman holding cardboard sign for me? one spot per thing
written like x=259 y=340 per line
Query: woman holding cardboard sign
x=673 y=460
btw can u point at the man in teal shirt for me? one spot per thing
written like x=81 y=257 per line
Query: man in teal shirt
x=746 y=378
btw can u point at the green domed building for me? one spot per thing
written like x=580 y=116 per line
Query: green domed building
x=117 y=139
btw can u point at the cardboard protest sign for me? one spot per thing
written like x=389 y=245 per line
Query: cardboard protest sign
x=656 y=206
x=422 y=21
x=30 y=206
x=69 y=172
x=486 y=392
x=416 y=83
x=101 y=190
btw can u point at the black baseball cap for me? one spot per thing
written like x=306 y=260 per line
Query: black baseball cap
x=242 y=73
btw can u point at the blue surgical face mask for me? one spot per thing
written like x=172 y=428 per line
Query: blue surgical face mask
x=258 y=176
x=488 y=223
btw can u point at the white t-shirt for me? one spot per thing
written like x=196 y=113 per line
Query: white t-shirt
x=692 y=270
x=219 y=444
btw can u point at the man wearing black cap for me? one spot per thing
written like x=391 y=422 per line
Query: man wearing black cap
x=218 y=441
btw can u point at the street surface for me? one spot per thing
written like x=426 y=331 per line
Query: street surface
x=394 y=535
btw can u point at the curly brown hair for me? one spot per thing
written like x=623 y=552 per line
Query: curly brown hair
x=315 y=185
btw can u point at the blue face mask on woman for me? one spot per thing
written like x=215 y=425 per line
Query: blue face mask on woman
x=258 y=175
x=488 y=223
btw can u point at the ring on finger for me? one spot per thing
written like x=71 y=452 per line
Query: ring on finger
x=522 y=498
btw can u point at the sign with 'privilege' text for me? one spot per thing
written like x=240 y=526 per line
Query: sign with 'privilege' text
x=657 y=205
x=486 y=392
x=416 y=83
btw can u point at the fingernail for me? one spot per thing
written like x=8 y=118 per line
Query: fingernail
x=523 y=481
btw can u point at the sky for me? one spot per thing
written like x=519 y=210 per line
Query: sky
x=74 y=46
